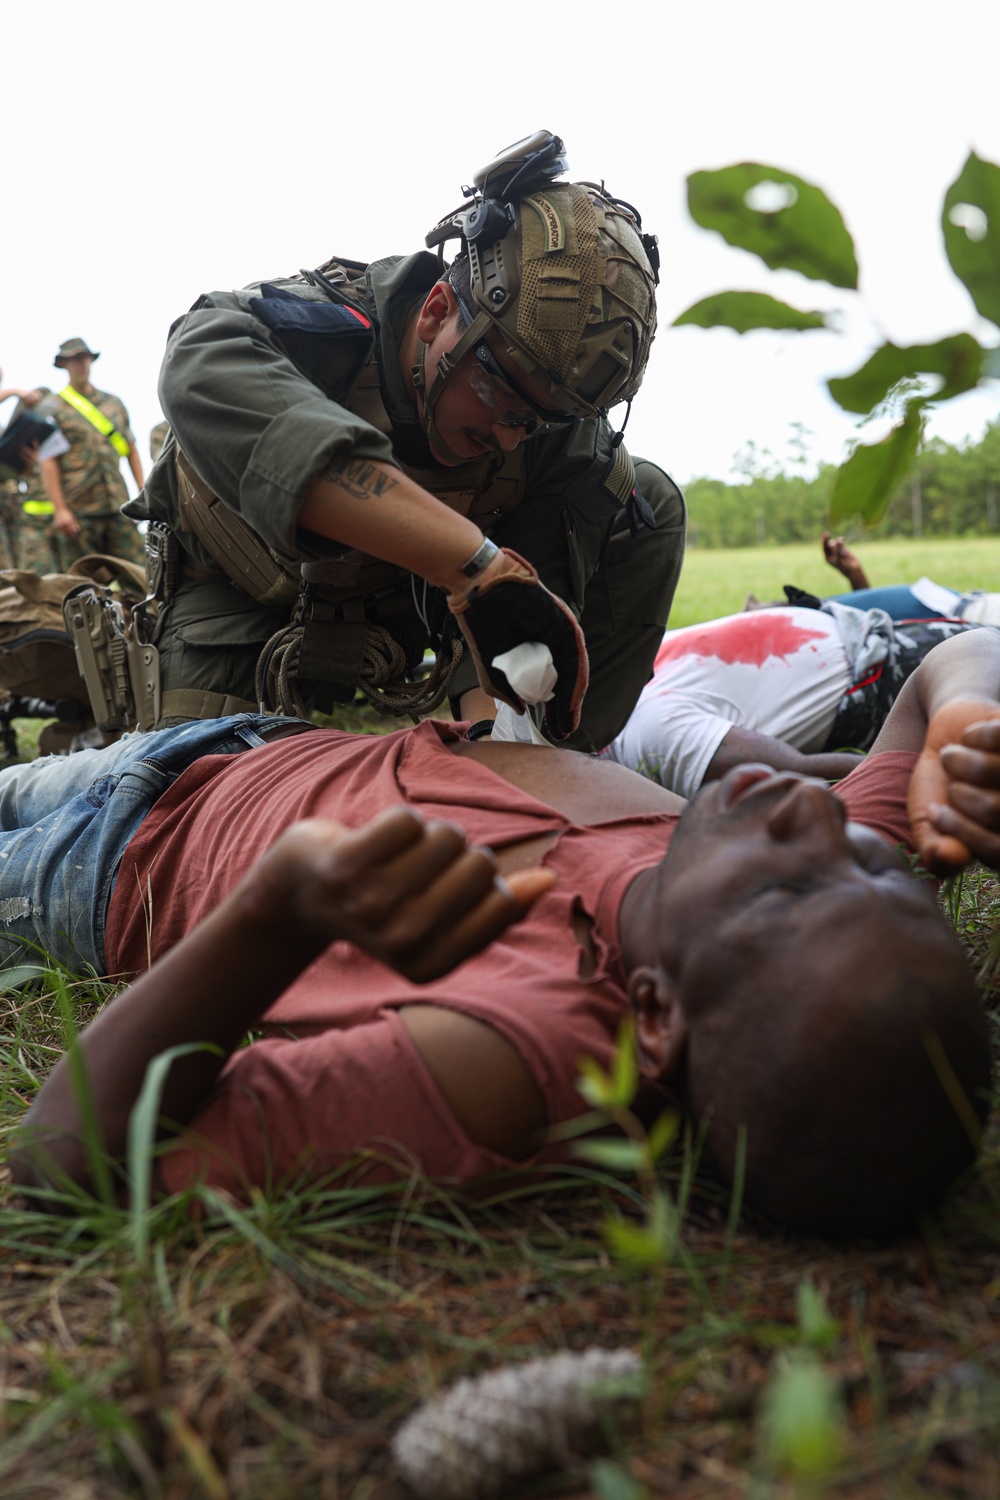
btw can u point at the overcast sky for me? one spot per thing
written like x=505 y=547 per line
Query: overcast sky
x=157 y=152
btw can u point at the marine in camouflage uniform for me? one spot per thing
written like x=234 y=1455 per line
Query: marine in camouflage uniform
x=10 y=517
x=89 y=474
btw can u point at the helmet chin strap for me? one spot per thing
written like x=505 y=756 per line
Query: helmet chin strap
x=429 y=400
x=446 y=367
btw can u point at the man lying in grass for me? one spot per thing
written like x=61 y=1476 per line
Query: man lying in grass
x=788 y=976
x=788 y=687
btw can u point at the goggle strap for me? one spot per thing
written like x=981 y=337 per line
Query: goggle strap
x=430 y=397
x=473 y=335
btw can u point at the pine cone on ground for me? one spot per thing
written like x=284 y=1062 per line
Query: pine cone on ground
x=502 y=1427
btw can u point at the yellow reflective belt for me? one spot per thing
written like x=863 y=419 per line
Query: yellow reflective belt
x=38 y=508
x=97 y=419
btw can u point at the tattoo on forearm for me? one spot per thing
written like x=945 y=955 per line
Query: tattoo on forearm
x=358 y=477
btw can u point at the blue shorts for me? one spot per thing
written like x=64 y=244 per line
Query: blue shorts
x=65 y=822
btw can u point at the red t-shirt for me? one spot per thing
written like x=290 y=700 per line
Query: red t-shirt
x=338 y=1071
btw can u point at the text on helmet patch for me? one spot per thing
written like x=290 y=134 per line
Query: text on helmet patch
x=555 y=229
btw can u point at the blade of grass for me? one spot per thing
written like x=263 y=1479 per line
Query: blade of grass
x=141 y=1148
x=96 y=1155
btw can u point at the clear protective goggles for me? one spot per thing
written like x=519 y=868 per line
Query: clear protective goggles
x=498 y=390
x=505 y=401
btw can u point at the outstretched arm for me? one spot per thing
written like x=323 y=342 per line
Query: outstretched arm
x=741 y=746
x=949 y=711
x=410 y=893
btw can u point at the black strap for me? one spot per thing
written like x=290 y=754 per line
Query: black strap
x=481 y=730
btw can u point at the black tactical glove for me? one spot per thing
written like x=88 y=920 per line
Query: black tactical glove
x=506 y=606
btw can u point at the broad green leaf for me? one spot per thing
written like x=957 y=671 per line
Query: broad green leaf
x=802 y=1416
x=970 y=220
x=663 y=1132
x=633 y=1244
x=649 y=1245
x=958 y=360
x=867 y=481
x=625 y=1065
x=617 y=1155
x=818 y=1329
x=596 y=1086
x=747 y=310
x=794 y=228
x=567 y=1130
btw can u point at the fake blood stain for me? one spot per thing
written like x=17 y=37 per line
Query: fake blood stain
x=748 y=641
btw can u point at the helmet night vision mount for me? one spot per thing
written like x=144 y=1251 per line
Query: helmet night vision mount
x=538 y=159
x=562 y=271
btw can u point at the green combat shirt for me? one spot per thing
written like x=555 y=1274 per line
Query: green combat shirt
x=263 y=387
x=91 y=479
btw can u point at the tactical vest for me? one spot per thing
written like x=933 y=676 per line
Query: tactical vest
x=355 y=621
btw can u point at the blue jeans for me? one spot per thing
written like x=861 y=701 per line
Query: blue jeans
x=65 y=822
x=897 y=599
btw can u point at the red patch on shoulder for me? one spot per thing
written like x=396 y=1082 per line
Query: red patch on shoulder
x=748 y=640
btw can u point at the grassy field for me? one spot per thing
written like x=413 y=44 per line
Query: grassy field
x=716 y=583
x=271 y=1351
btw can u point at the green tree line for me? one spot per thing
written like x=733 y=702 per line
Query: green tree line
x=951 y=491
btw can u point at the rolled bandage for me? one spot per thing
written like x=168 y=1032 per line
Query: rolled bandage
x=530 y=671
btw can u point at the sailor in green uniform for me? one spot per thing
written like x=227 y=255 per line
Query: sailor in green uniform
x=371 y=453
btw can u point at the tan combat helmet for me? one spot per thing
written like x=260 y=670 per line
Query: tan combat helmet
x=562 y=271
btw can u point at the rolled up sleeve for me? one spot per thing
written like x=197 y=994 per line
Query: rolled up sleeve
x=256 y=429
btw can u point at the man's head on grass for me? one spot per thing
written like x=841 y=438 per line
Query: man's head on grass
x=815 y=1008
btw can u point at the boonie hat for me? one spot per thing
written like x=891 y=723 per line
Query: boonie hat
x=68 y=348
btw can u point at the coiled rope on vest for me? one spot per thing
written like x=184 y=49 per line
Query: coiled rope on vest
x=382 y=678
x=383 y=682
x=277 y=685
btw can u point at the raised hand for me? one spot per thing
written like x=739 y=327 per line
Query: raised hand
x=411 y=893
x=954 y=797
x=839 y=555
